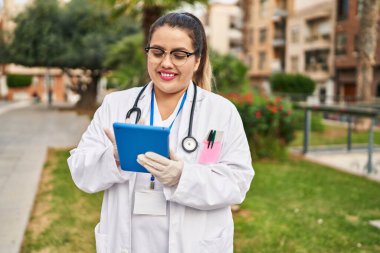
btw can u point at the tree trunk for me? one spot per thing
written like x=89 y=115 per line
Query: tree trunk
x=89 y=92
x=150 y=14
x=367 y=49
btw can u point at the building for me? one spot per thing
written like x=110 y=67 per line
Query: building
x=348 y=13
x=310 y=44
x=223 y=24
x=264 y=39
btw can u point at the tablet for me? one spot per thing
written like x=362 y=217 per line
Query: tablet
x=133 y=140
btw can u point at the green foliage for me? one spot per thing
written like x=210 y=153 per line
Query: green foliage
x=38 y=38
x=298 y=86
x=229 y=72
x=18 y=81
x=77 y=35
x=127 y=57
x=268 y=122
x=3 y=48
x=316 y=123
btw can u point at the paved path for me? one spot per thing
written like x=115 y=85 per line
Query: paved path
x=354 y=162
x=25 y=135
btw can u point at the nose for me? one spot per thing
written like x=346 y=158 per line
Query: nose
x=167 y=61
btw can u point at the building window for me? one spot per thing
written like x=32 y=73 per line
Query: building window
x=317 y=60
x=342 y=11
x=263 y=8
x=263 y=35
x=295 y=35
x=262 y=60
x=341 y=42
x=294 y=63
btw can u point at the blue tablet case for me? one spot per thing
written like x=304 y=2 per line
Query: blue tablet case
x=132 y=140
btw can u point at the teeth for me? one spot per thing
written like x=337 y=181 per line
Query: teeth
x=167 y=75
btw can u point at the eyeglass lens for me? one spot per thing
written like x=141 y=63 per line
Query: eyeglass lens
x=156 y=55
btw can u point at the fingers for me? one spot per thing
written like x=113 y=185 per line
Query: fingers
x=141 y=122
x=109 y=135
x=146 y=162
x=157 y=158
x=173 y=155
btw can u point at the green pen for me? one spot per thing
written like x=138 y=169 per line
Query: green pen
x=213 y=138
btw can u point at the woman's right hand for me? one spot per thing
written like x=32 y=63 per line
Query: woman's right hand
x=111 y=137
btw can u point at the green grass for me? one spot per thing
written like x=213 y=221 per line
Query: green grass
x=335 y=135
x=63 y=218
x=297 y=206
x=292 y=206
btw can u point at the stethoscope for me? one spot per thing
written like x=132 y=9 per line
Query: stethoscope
x=189 y=143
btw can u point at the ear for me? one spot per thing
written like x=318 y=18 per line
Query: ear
x=197 y=62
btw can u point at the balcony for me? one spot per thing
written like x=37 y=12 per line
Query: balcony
x=276 y=66
x=279 y=14
x=279 y=39
x=278 y=42
x=318 y=71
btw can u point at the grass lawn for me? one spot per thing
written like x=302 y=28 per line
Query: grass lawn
x=293 y=206
x=63 y=217
x=335 y=135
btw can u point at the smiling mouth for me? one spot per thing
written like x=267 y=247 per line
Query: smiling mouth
x=167 y=74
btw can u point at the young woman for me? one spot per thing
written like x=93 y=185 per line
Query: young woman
x=184 y=204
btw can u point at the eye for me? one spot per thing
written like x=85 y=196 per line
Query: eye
x=157 y=52
x=179 y=55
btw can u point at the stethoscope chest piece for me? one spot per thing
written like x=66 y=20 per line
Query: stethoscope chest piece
x=189 y=144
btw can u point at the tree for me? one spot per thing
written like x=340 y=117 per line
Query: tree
x=76 y=36
x=149 y=10
x=367 y=48
x=131 y=72
x=230 y=74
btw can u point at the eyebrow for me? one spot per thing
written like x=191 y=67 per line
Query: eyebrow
x=174 y=49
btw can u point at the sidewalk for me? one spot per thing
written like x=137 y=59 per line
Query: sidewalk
x=353 y=162
x=25 y=135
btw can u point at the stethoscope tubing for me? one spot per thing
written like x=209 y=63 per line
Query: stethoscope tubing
x=136 y=109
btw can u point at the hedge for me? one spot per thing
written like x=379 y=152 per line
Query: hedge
x=19 y=81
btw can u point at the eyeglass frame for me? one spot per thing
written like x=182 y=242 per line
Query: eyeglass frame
x=188 y=54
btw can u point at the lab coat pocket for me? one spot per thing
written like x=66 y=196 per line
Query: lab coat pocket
x=210 y=154
x=101 y=241
x=218 y=245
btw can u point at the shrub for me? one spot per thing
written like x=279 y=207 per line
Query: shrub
x=268 y=122
x=296 y=85
x=18 y=81
x=230 y=73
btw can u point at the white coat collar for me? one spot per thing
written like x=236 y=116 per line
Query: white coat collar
x=190 y=92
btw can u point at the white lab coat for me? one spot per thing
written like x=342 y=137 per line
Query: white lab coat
x=200 y=213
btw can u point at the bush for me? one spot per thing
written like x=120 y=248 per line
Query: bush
x=296 y=85
x=230 y=74
x=268 y=122
x=19 y=81
x=127 y=58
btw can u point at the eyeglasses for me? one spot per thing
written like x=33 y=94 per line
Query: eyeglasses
x=178 y=57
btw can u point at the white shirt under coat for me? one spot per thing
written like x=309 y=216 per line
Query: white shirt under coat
x=199 y=206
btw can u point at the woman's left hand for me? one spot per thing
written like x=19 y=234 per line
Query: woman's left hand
x=167 y=171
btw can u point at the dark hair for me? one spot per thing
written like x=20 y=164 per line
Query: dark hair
x=191 y=24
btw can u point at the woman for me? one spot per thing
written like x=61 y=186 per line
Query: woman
x=184 y=204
